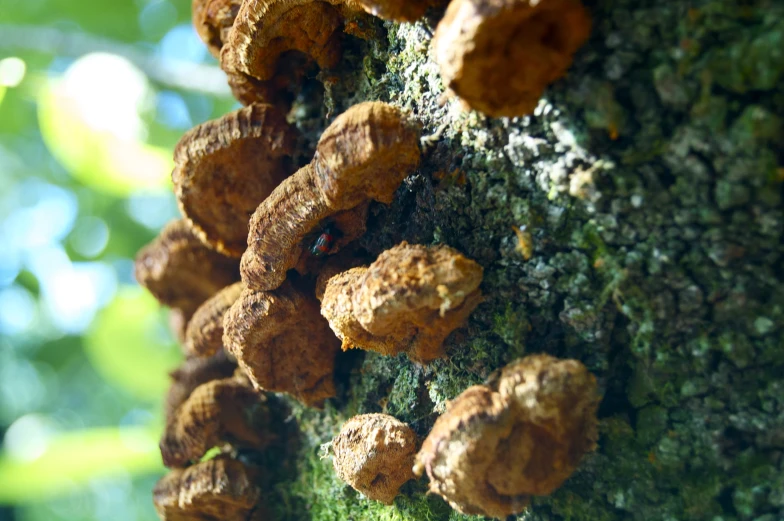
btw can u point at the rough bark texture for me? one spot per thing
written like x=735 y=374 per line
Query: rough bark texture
x=650 y=180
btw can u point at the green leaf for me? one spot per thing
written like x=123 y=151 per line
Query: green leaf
x=130 y=345
x=98 y=158
x=73 y=459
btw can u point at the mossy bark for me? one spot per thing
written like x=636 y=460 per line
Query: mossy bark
x=650 y=179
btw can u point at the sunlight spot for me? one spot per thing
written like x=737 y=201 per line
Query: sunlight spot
x=12 y=71
x=28 y=437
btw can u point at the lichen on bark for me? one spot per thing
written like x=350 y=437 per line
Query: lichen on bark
x=650 y=181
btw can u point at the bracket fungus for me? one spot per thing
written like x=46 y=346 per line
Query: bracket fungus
x=204 y=334
x=374 y=453
x=213 y=20
x=522 y=434
x=498 y=56
x=400 y=11
x=408 y=300
x=224 y=168
x=227 y=410
x=274 y=42
x=193 y=373
x=363 y=155
x=218 y=489
x=182 y=272
x=282 y=343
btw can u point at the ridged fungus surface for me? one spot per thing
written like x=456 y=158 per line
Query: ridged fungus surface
x=220 y=489
x=204 y=334
x=192 y=373
x=226 y=410
x=225 y=167
x=521 y=435
x=408 y=300
x=181 y=271
x=400 y=11
x=213 y=20
x=274 y=42
x=363 y=155
x=498 y=56
x=282 y=342
x=374 y=453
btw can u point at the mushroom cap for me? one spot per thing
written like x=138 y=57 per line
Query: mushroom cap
x=204 y=334
x=220 y=488
x=192 y=373
x=409 y=300
x=374 y=453
x=225 y=167
x=212 y=20
x=363 y=155
x=523 y=435
x=181 y=271
x=220 y=410
x=409 y=280
x=282 y=343
x=400 y=11
x=500 y=55
x=271 y=37
x=338 y=308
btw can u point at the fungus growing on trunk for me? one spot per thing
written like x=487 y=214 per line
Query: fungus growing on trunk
x=498 y=56
x=192 y=373
x=225 y=167
x=408 y=300
x=282 y=342
x=220 y=488
x=181 y=271
x=401 y=11
x=363 y=155
x=374 y=453
x=226 y=410
x=273 y=43
x=522 y=434
x=212 y=20
x=204 y=335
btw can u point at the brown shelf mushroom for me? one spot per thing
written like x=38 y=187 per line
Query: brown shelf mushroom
x=498 y=56
x=193 y=373
x=180 y=271
x=204 y=334
x=212 y=20
x=401 y=11
x=523 y=434
x=408 y=300
x=273 y=43
x=226 y=410
x=282 y=343
x=374 y=453
x=363 y=155
x=217 y=489
x=225 y=167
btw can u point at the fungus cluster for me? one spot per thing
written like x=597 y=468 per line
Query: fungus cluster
x=520 y=435
x=262 y=239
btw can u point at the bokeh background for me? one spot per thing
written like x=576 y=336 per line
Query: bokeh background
x=93 y=97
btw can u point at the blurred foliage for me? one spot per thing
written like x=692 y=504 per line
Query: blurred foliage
x=89 y=114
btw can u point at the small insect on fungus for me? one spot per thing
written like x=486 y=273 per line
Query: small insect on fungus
x=323 y=242
x=525 y=241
